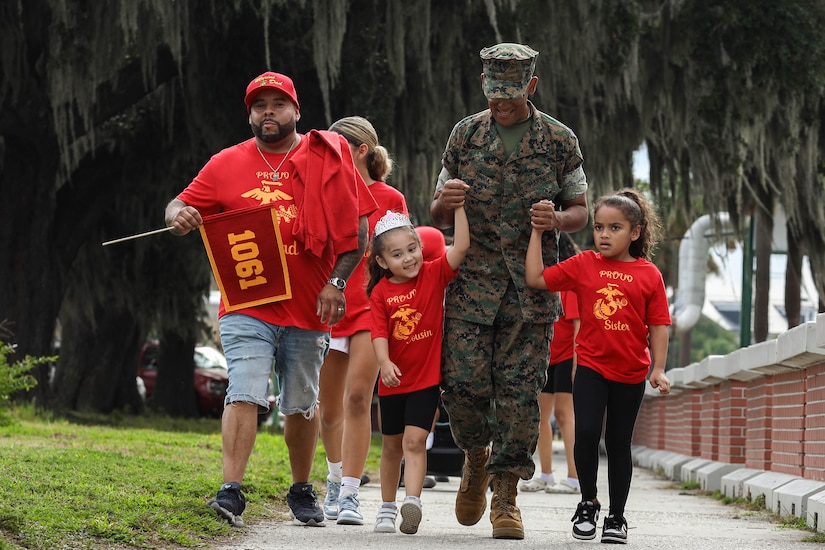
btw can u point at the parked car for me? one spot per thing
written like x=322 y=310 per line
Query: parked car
x=211 y=378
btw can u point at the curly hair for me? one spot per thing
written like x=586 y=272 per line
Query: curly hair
x=639 y=212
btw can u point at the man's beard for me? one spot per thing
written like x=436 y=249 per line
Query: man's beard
x=284 y=130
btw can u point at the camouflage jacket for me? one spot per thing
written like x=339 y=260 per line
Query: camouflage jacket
x=546 y=164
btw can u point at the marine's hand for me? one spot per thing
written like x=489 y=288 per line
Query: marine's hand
x=543 y=215
x=331 y=306
x=184 y=220
x=453 y=194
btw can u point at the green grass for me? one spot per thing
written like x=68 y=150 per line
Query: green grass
x=759 y=506
x=132 y=482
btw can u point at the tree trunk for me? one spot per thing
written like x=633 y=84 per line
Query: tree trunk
x=685 y=343
x=31 y=282
x=174 y=393
x=92 y=374
x=762 y=275
x=793 y=283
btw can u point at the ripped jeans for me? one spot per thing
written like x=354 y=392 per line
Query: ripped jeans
x=255 y=348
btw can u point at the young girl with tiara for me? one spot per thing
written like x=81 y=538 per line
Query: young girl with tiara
x=624 y=328
x=407 y=297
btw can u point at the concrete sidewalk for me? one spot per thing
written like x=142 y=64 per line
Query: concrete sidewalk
x=658 y=514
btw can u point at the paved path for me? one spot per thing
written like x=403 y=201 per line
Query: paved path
x=659 y=515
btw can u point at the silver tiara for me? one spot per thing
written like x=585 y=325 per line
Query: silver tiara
x=391 y=220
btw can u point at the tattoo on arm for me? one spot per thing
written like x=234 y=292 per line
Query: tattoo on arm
x=346 y=262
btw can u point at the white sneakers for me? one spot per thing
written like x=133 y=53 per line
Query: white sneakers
x=565 y=486
x=349 y=510
x=532 y=485
x=410 y=518
x=385 y=520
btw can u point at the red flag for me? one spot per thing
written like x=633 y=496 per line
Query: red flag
x=247 y=256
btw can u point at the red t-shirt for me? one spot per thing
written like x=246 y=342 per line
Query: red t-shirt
x=410 y=315
x=617 y=301
x=237 y=177
x=358 y=316
x=562 y=344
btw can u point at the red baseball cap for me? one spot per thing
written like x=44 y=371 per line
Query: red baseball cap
x=272 y=81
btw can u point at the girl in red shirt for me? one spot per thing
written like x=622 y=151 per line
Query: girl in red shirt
x=624 y=319
x=407 y=297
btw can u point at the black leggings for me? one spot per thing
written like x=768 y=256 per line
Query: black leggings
x=593 y=395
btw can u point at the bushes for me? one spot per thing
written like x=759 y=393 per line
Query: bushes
x=15 y=378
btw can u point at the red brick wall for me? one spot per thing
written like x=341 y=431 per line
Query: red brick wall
x=758 y=424
x=773 y=422
x=732 y=422
x=813 y=459
x=678 y=419
x=708 y=420
x=788 y=422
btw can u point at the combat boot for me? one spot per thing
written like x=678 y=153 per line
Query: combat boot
x=471 y=500
x=504 y=514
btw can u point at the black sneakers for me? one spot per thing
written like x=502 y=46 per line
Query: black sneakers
x=614 y=530
x=230 y=503
x=303 y=502
x=585 y=520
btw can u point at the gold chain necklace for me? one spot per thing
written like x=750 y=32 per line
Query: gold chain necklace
x=275 y=170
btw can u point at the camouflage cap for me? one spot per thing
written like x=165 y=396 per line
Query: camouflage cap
x=508 y=69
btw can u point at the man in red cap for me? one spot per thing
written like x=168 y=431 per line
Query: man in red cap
x=322 y=205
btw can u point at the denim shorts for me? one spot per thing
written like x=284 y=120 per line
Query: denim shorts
x=255 y=348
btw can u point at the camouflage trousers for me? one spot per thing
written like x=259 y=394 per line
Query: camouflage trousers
x=492 y=376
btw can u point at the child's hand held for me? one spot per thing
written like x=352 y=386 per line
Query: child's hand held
x=543 y=215
x=661 y=383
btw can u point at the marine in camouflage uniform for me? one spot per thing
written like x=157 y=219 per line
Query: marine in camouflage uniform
x=497 y=330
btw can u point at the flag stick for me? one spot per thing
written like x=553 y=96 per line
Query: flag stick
x=139 y=235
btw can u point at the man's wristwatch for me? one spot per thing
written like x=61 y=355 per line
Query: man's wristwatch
x=338 y=283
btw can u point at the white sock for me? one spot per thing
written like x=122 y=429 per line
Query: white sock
x=414 y=499
x=336 y=470
x=350 y=485
x=574 y=482
x=550 y=479
x=430 y=439
x=392 y=505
